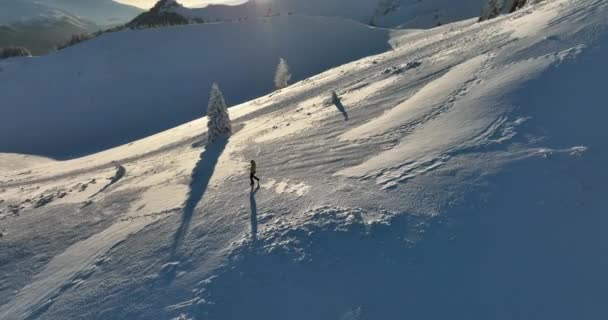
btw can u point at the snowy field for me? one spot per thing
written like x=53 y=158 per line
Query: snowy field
x=460 y=175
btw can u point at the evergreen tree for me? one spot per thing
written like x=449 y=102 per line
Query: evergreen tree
x=282 y=76
x=218 y=120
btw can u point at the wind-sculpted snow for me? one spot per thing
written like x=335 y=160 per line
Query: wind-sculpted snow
x=335 y=240
x=468 y=185
x=455 y=104
x=296 y=236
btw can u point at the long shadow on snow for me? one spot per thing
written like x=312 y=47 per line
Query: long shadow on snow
x=201 y=175
x=120 y=173
x=254 y=214
x=338 y=103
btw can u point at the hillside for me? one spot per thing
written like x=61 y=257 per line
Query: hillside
x=101 y=12
x=460 y=175
x=42 y=26
x=42 y=36
x=108 y=82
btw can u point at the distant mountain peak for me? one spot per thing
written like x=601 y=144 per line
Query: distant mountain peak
x=164 y=12
x=166 y=6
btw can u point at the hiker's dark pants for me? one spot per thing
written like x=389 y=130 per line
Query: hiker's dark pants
x=252 y=176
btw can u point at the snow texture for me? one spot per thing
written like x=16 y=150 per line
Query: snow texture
x=470 y=185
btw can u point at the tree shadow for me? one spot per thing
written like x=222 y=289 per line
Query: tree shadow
x=120 y=173
x=199 y=181
x=254 y=214
x=338 y=103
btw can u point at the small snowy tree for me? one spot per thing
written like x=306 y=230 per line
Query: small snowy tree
x=282 y=76
x=218 y=120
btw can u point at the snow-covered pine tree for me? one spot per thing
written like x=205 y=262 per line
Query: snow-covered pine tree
x=218 y=120
x=282 y=76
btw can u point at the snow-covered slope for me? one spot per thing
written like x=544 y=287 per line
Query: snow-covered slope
x=21 y=11
x=384 y=13
x=44 y=34
x=100 y=12
x=126 y=85
x=464 y=179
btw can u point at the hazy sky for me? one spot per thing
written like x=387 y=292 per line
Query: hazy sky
x=188 y=3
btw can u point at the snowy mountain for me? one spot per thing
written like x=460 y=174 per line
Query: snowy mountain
x=42 y=26
x=20 y=11
x=384 y=13
x=460 y=175
x=101 y=12
x=109 y=81
x=41 y=38
x=162 y=13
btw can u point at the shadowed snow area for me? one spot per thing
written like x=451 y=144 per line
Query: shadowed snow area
x=123 y=86
x=467 y=183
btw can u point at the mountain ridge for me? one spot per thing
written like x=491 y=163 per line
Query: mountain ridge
x=382 y=13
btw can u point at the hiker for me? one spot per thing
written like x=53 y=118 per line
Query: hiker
x=252 y=173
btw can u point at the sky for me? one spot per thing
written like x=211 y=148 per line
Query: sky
x=146 y=4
